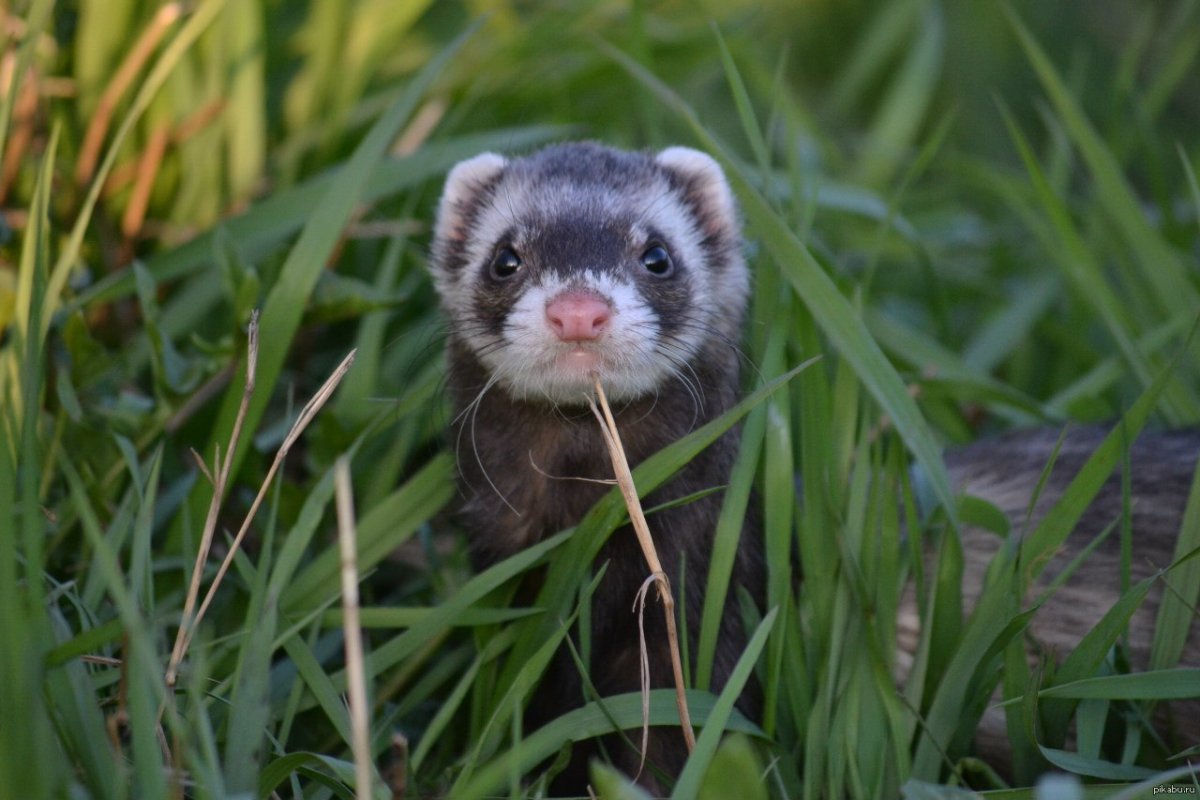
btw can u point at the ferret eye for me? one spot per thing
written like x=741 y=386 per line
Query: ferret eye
x=505 y=263
x=657 y=260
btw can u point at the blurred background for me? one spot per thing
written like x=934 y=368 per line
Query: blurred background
x=889 y=107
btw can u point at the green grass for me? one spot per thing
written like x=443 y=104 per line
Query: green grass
x=974 y=217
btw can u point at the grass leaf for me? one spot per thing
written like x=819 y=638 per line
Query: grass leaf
x=837 y=318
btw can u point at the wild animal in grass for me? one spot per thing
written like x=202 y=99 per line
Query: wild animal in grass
x=580 y=260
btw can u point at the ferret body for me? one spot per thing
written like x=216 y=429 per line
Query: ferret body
x=580 y=260
x=577 y=260
x=1005 y=471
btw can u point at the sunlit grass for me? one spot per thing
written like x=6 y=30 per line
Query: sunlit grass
x=955 y=258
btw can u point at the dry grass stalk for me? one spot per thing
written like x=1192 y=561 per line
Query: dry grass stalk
x=189 y=623
x=351 y=630
x=625 y=480
x=23 y=127
x=147 y=172
x=218 y=476
x=306 y=416
x=89 y=153
x=127 y=173
x=419 y=130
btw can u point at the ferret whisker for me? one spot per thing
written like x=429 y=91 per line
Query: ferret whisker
x=470 y=407
x=699 y=326
x=545 y=474
x=692 y=385
x=459 y=422
x=649 y=411
x=475 y=448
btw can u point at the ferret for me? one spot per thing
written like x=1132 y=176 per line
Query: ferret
x=1005 y=470
x=579 y=260
x=582 y=260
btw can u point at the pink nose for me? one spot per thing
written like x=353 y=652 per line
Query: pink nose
x=576 y=316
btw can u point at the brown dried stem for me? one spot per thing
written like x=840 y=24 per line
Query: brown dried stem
x=612 y=437
x=219 y=476
x=352 y=632
x=189 y=623
x=147 y=171
x=141 y=51
x=306 y=416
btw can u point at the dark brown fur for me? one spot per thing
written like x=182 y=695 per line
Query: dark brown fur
x=582 y=217
x=505 y=439
x=1005 y=471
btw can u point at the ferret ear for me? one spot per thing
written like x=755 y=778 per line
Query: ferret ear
x=704 y=184
x=462 y=185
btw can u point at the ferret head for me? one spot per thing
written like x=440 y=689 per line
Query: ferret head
x=581 y=259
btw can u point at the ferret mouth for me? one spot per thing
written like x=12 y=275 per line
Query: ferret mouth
x=579 y=359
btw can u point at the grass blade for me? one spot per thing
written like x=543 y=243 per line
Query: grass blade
x=286 y=302
x=170 y=58
x=1161 y=266
x=596 y=719
x=1176 y=613
x=837 y=318
x=715 y=725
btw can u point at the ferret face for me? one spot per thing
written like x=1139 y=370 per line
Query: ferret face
x=581 y=260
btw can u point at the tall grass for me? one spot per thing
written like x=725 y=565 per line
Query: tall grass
x=973 y=218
